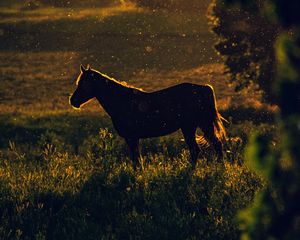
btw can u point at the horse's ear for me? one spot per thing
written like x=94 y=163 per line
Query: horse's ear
x=88 y=67
x=82 y=69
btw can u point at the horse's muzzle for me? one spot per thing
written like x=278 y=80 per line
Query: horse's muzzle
x=74 y=103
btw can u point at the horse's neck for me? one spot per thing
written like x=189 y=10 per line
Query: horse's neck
x=111 y=95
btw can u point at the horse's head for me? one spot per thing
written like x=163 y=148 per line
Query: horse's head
x=85 y=90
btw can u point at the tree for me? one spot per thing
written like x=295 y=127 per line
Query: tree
x=275 y=213
x=245 y=40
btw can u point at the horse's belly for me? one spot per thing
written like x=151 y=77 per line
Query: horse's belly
x=154 y=125
x=156 y=131
x=146 y=128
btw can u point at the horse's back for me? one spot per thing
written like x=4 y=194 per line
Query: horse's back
x=185 y=94
x=183 y=87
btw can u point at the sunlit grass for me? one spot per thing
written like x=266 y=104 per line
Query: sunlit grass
x=98 y=190
x=15 y=15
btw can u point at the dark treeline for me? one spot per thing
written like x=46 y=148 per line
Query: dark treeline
x=245 y=40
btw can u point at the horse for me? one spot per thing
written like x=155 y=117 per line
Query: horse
x=137 y=114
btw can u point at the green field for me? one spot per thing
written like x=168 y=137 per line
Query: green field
x=65 y=174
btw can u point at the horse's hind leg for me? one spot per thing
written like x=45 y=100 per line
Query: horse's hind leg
x=134 y=151
x=190 y=139
x=209 y=134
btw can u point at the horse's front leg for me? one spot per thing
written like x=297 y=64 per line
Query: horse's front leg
x=134 y=151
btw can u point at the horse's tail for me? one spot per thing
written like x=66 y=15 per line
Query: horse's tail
x=219 y=127
x=214 y=118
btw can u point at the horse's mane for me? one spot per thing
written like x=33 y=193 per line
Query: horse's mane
x=122 y=83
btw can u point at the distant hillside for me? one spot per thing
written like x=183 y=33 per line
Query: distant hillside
x=175 y=5
x=171 y=5
x=60 y=3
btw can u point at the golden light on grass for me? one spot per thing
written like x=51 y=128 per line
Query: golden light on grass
x=53 y=14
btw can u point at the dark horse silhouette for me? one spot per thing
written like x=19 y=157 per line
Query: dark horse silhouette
x=137 y=114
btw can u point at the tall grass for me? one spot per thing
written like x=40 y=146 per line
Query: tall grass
x=52 y=188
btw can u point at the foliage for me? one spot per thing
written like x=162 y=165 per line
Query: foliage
x=50 y=190
x=245 y=40
x=275 y=212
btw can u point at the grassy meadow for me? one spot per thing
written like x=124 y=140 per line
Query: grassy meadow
x=65 y=174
